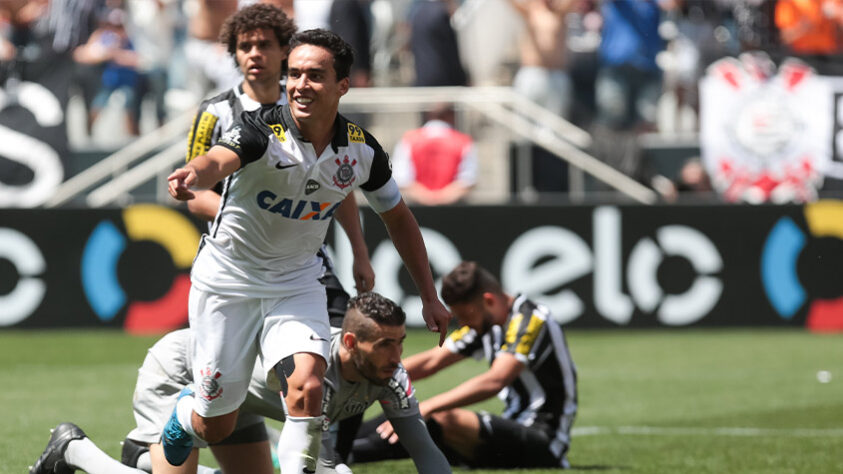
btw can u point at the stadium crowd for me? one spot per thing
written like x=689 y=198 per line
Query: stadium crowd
x=616 y=68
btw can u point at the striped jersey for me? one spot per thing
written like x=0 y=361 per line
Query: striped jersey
x=276 y=208
x=216 y=115
x=545 y=392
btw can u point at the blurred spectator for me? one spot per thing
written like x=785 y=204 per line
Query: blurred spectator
x=434 y=45
x=754 y=25
x=542 y=76
x=435 y=164
x=629 y=82
x=110 y=45
x=697 y=37
x=811 y=30
x=351 y=20
x=310 y=14
x=209 y=63
x=151 y=27
x=691 y=183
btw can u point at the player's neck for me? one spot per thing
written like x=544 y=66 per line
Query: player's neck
x=318 y=132
x=263 y=92
x=347 y=370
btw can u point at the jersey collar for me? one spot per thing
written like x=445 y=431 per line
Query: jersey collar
x=340 y=138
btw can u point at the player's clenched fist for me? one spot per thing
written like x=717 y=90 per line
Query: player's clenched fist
x=179 y=182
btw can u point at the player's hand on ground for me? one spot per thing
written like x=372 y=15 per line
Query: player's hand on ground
x=386 y=432
x=364 y=275
x=437 y=317
x=179 y=182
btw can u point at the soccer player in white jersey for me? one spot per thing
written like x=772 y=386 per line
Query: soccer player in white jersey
x=363 y=366
x=257 y=38
x=254 y=281
x=530 y=370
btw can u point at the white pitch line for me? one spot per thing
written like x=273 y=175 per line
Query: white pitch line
x=717 y=431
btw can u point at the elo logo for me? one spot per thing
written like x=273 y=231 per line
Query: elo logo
x=164 y=226
x=780 y=259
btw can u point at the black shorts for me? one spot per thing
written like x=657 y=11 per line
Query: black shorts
x=506 y=443
x=337 y=297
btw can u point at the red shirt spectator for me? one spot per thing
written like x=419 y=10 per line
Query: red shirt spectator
x=435 y=164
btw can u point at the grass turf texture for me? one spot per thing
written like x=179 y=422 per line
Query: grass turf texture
x=650 y=401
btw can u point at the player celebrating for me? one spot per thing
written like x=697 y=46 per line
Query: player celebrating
x=364 y=366
x=531 y=369
x=257 y=37
x=287 y=169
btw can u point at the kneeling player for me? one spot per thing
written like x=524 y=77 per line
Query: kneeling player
x=364 y=366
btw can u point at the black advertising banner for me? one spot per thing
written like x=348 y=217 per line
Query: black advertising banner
x=124 y=268
x=635 y=266
x=593 y=266
x=33 y=130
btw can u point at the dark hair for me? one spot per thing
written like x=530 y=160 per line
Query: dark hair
x=467 y=282
x=371 y=307
x=255 y=17
x=342 y=52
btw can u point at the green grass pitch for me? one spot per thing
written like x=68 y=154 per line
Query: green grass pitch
x=665 y=401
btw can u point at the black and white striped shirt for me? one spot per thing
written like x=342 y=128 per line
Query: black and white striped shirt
x=545 y=393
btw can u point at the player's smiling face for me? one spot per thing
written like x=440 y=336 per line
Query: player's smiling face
x=313 y=89
x=259 y=55
x=377 y=360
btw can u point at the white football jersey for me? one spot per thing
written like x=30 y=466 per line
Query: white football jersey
x=277 y=207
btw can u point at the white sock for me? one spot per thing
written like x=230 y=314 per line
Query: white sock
x=207 y=470
x=144 y=462
x=298 y=447
x=184 y=413
x=85 y=455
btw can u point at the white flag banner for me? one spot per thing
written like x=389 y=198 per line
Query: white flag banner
x=765 y=134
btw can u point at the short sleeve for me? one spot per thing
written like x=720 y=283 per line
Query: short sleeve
x=248 y=137
x=398 y=398
x=465 y=342
x=381 y=171
x=522 y=332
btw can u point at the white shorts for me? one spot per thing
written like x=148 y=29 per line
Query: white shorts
x=164 y=373
x=229 y=332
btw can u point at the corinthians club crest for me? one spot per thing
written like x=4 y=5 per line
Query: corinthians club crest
x=209 y=388
x=765 y=133
x=345 y=173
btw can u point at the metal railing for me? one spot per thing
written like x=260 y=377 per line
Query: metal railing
x=501 y=105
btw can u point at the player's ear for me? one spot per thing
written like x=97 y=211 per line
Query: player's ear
x=349 y=340
x=488 y=299
x=345 y=83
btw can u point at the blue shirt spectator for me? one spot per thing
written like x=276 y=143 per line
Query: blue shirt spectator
x=631 y=33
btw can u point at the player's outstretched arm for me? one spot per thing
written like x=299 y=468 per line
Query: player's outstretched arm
x=413 y=434
x=406 y=236
x=202 y=172
x=503 y=371
x=348 y=215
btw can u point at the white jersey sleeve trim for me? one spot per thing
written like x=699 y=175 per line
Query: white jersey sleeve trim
x=384 y=198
